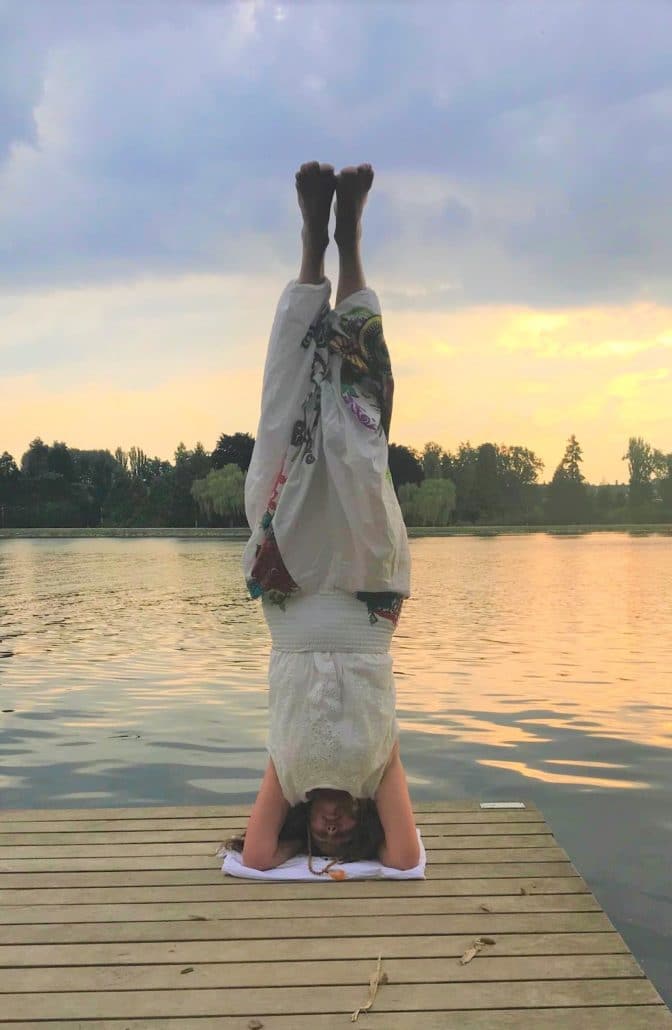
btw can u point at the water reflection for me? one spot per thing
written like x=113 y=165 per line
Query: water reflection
x=519 y=646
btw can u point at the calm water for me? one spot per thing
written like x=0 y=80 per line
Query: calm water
x=527 y=667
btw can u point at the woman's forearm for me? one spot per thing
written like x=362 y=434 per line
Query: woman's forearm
x=286 y=849
x=263 y=829
x=400 y=849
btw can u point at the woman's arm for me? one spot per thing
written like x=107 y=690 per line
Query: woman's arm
x=400 y=849
x=262 y=849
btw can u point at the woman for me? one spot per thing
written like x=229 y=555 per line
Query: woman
x=329 y=557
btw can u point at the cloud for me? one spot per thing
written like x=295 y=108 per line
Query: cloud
x=523 y=150
x=134 y=334
x=592 y=333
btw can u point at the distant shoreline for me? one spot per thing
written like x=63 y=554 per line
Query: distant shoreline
x=239 y=533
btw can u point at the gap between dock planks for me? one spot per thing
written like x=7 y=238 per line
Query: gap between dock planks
x=122 y=918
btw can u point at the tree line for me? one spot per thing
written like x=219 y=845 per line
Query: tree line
x=59 y=486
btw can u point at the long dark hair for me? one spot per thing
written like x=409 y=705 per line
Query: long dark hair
x=364 y=843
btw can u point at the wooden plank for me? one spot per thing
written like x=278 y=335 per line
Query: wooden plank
x=217 y=811
x=542 y=838
x=207 y=881
x=643 y=1017
x=453 y=870
x=231 y=889
x=350 y=971
x=322 y=908
x=304 y=949
x=25 y=853
x=238 y=821
x=484 y=825
x=200 y=928
x=408 y=998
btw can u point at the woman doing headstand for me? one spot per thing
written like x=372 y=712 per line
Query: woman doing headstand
x=329 y=557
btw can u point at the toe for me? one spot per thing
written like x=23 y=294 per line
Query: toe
x=308 y=169
x=366 y=175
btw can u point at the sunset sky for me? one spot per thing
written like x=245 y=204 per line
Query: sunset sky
x=519 y=232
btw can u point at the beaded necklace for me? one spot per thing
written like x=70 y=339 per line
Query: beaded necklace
x=328 y=870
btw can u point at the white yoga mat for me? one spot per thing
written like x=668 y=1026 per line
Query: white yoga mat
x=297 y=869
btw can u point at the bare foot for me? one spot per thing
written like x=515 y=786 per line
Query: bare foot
x=315 y=185
x=352 y=188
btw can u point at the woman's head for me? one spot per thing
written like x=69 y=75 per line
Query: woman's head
x=332 y=824
x=333 y=818
x=336 y=825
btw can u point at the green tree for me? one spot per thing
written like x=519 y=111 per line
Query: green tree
x=431 y=460
x=518 y=472
x=568 y=497
x=34 y=462
x=222 y=493
x=138 y=465
x=663 y=483
x=121 y=458
x=486 y=492
x=404 y=464
x=9 y=471
x=59 y=461
x=233 y=450
x=95 y=471
x=460 y=469
x=9 y=489
x=189 y=466
x=642 y=461
x=125 y=502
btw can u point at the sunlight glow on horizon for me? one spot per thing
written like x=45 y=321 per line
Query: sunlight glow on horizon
x=189 y=355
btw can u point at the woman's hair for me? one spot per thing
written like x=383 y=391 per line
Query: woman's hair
x=363 y=844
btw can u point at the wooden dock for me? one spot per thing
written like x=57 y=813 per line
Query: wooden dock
x=121 y=918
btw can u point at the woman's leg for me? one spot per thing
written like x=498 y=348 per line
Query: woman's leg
x=287 y=370
x=352 y=188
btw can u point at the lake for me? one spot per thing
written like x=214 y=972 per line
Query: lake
x=133 y=672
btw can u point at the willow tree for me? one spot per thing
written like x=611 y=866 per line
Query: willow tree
x=430 y=504
x=222 y=493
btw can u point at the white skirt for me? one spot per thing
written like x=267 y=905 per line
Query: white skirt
x=331 y=709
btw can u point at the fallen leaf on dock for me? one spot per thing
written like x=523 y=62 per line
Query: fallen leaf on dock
x=255 y=1024
x=375 y=981
x=187 y=969
x=474 y=948
x=484 y=908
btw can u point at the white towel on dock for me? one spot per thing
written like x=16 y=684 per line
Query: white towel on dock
x=297 y=869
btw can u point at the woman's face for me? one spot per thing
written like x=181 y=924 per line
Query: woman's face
x=332 y=820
